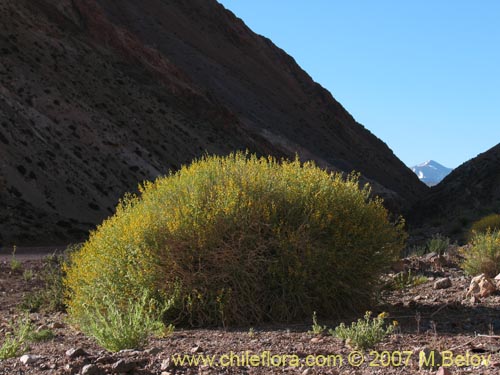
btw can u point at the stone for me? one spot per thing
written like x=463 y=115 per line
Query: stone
x=443 y=371
x=90 y=369
x=75 y=353
x=28 y=359
x=105 y=359
x=481 y=287
x=442 y=283
x=56 y=325
x=398 y=266
x=473 y=290
x=486 y=288
x=123 y=366
x=166 y=364
x=196 y=349
x=153 y=351
x=316 y=340
x=307 y=371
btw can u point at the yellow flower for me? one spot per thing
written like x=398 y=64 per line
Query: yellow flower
x=395 y=323
x=383 y=315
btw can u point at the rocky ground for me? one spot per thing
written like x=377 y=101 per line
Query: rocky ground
x=435 y=315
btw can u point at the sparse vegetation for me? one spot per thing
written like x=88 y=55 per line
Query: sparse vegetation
x=490 y=222
x=366 y=332
x=404 y=280
x=42 y=335
x=239 y=239
x=16 y=340
x=15 y=264
x=51 y=296
x=316 y=328
x=125 y=327
x=28 y=275
x=484 y=254
x=438 y=244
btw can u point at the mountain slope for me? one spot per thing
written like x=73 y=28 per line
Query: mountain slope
x=431 y=172
x=97 y=95
x=469 y=192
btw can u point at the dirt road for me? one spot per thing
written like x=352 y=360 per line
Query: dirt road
x=29 y=253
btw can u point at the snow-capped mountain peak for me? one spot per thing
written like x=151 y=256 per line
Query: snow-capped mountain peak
x=431 y=172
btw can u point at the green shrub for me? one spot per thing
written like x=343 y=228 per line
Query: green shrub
x=125 y=327
x=484 y=254
x=404 y=280
x=50 y=297
x=316 y=328
x=438 y=244
x=15 y=264
x=491 y=222
x=364 y=333
x=15 y=342
x=42 y=335
x=239 y=239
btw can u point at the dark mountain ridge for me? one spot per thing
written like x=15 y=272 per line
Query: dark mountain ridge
x=98 y=95
x=468 y=193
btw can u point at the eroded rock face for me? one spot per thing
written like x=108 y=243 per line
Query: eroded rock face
x=98 y=95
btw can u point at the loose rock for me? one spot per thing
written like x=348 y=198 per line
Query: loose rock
x=443 y=371
x=90 y=369
x=196 y=349
x=123 y=366
x=28 y=359
x=153 y=351
x=75 y=353
x=443 y=283
x=481 y=287
x=166 y=364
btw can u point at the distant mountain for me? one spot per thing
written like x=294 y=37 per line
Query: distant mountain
x=471 y=191
x=431 y=172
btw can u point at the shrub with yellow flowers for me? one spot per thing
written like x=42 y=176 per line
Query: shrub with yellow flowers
x=237 y=240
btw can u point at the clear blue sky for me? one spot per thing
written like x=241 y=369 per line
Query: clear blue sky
x=424 y=76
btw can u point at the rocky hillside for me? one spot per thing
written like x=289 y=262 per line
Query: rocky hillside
x=98 y=95
x=466 y=194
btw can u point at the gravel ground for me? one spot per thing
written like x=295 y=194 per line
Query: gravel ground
x=429 y=319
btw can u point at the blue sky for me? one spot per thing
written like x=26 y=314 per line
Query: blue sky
x=424 y=76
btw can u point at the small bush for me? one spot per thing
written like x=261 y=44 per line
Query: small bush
x=239 y=239
x=42 y=335
x=28 y=275
x=51 y=296
x=125 y=327
x=404 y=280
x=484 y=254
x=490 y=222
x=438 y=244
x=15 y=264
x=52 y=276
x=316 y=328
x=364 y=333
x=16 y=341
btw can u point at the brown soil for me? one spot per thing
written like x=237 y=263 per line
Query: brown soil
x=447 y=322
